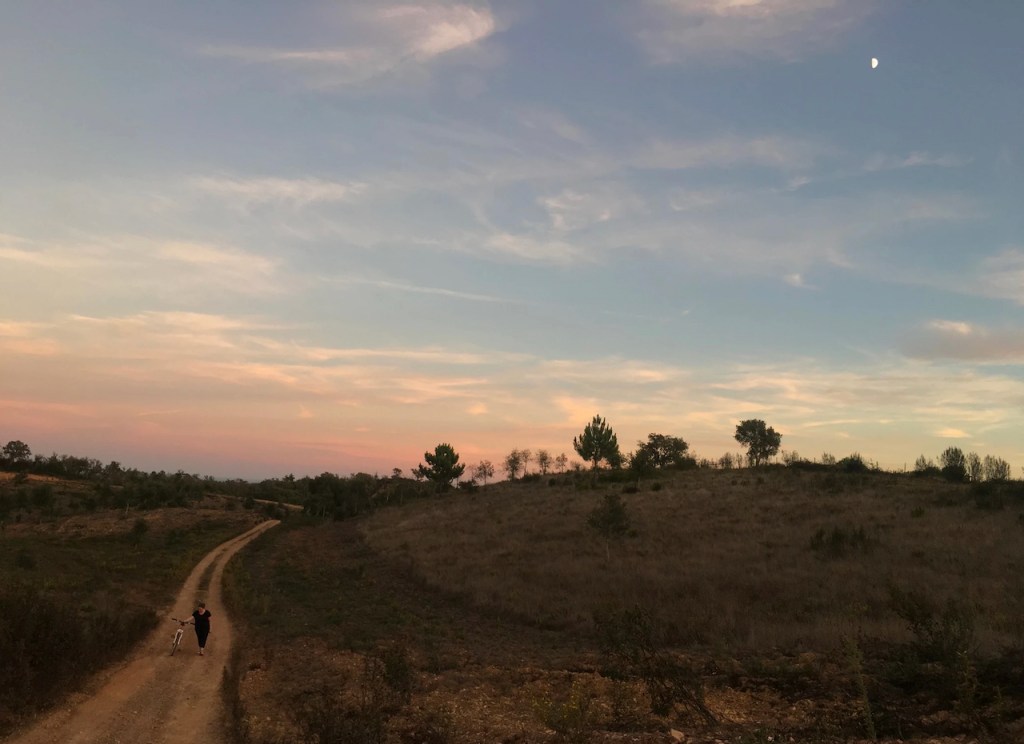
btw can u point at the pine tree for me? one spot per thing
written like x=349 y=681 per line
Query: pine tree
x=442 y=466
x=598 y=442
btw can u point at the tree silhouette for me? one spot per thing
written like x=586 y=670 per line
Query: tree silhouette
x=16 y=452
x=442 y=466
x=598 y=442
x=543 y=461
x=513 y=461
x=762 y=442
x=662 y=450
x=483 y=471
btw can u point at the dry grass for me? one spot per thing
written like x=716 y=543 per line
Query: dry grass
x=724 y=557
x=493 y=595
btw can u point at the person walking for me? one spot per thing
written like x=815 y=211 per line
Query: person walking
x=201 y=616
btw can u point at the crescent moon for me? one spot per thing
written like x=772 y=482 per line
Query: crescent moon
x=874 y=62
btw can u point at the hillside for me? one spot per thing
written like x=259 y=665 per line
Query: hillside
x=822 y=605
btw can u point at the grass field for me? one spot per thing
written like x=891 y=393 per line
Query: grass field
x=823 y=606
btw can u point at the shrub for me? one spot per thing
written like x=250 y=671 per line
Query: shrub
x=572 y=720
x=323 y=715
x=939 y=636
x=397 y=671
x=838 y=542
x=634 y=646
x=853 y=463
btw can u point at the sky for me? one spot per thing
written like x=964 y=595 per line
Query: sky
x=251 y=238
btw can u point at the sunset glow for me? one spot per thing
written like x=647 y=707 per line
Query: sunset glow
x=326 y=236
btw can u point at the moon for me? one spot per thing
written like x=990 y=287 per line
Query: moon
x=874 y=62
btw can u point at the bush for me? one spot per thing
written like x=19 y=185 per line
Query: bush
x=572 y=720
x=853 y=464
x=397 y=671
x=838 y=542
x=939 y=636
x=634 y=646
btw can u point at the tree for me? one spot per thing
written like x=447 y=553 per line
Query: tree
x=525 y=456
x=610 y=520
x=543 y=461
x=996 y=468
x=513 y=461
x=16 y=453
x=641 y=463
x=924 y=466
x=561 y=462
x=954 y=464
x=762 y=442
x=598 y=442
x=663 y=450
x=974 y=467
x=483 y=471
x=442 y=467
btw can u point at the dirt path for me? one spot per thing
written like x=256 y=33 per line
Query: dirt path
x=157 y=698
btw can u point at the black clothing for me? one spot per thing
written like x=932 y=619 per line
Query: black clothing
x=202 y=626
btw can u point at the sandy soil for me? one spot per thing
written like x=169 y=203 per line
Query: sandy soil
x=156 y=697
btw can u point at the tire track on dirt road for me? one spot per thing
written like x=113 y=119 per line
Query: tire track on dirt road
x=157 y=698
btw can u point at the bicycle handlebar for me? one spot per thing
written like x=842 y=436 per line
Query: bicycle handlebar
x=182 y=622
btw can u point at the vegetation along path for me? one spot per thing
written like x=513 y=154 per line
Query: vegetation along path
x=157 y=697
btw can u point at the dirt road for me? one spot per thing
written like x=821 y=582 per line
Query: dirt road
x=157 y=698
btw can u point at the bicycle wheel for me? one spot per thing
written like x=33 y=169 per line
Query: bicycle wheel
x=174 y=644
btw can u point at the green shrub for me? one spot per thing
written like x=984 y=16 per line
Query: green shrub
x=572 y=720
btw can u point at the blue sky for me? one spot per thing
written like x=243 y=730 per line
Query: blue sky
x=255 y=238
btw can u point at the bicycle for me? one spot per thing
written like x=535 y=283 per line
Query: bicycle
x=178 y=633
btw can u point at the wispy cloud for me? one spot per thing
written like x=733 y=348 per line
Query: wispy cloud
x=769 y=151
x=572 y=209
x=948 y=339
x=26 y=338
x=374 y=40
x=720 y=31
x=148 y=265
x=915 y=159
x=419 y=289
x=1001 y=276
x=532 y=249
x=293 y=191
x=231 y=263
